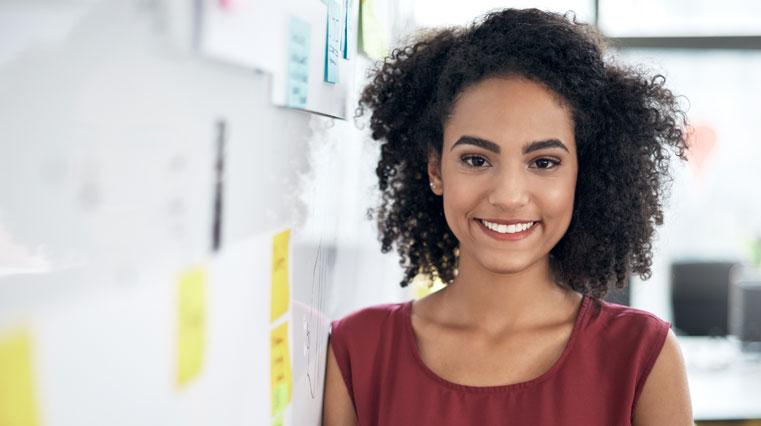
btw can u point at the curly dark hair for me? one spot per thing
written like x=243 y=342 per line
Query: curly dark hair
x=626 y=125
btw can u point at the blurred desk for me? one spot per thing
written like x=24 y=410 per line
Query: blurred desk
x=725 y=384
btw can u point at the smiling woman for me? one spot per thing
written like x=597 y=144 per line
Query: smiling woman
x=527 y=172
x=517 y=174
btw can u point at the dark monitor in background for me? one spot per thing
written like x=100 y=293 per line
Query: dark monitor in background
x=700 y=297
x=750 y=307
x=745 y=307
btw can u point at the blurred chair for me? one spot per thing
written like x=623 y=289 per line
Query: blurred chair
x=700 y=297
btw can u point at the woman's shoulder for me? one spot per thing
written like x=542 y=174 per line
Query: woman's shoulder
x=369 y=318
x=357 y=337
x=614 y=314
x=623 y=330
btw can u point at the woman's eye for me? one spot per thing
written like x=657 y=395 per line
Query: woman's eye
x=474 y=160
x=546 y=163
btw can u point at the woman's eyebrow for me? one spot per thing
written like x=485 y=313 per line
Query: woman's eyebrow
x=493 y=147
x=549 y=143
x=483 y=143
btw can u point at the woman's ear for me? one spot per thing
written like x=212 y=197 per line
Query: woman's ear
x=434 y=172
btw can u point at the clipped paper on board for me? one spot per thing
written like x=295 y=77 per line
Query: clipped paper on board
x=333 y=41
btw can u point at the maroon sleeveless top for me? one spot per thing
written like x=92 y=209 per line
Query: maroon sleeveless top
x=596 y=380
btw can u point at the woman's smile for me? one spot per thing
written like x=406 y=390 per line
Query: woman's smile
x=507 y=230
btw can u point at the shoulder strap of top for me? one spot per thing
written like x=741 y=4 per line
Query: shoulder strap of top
x=657 y=331
x=355 y=338
x=632 y=336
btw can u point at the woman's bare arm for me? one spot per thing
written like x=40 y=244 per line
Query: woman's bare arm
x=337 y=408
x=665 y=398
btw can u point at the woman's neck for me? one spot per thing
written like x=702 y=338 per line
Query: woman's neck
x=495 y=303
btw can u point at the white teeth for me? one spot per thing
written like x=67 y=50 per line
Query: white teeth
x=507 y=229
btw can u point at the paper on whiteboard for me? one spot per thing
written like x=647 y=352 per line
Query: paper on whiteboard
x=255 y=34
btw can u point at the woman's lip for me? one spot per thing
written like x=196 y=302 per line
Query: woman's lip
x=507 y=237
x=507 y=221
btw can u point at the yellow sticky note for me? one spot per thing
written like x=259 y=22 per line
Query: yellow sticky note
x=373 y=36
x=278 y=420
x=17 y=393
x=281 y=292
x=282 y=378
x=191 y=324
x=280 y=397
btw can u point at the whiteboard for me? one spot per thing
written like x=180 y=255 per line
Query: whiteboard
x=109 y=118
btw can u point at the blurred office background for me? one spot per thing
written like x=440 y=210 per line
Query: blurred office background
x=103 y=204
x=708 y=254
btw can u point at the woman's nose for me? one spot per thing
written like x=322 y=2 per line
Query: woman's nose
x=509 y=189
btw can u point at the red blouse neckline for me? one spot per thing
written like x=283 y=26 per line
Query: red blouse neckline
x=407 y=319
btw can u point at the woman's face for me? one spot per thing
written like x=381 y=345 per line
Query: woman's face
x=507 y=173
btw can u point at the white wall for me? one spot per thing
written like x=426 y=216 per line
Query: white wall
x=107 y=120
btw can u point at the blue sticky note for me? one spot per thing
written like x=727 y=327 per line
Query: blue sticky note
x=297 y=78
x=333 y=41
x=345 y=38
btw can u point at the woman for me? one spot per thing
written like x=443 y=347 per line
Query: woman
x=527 y=172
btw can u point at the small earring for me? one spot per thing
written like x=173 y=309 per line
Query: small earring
x=433 y=185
